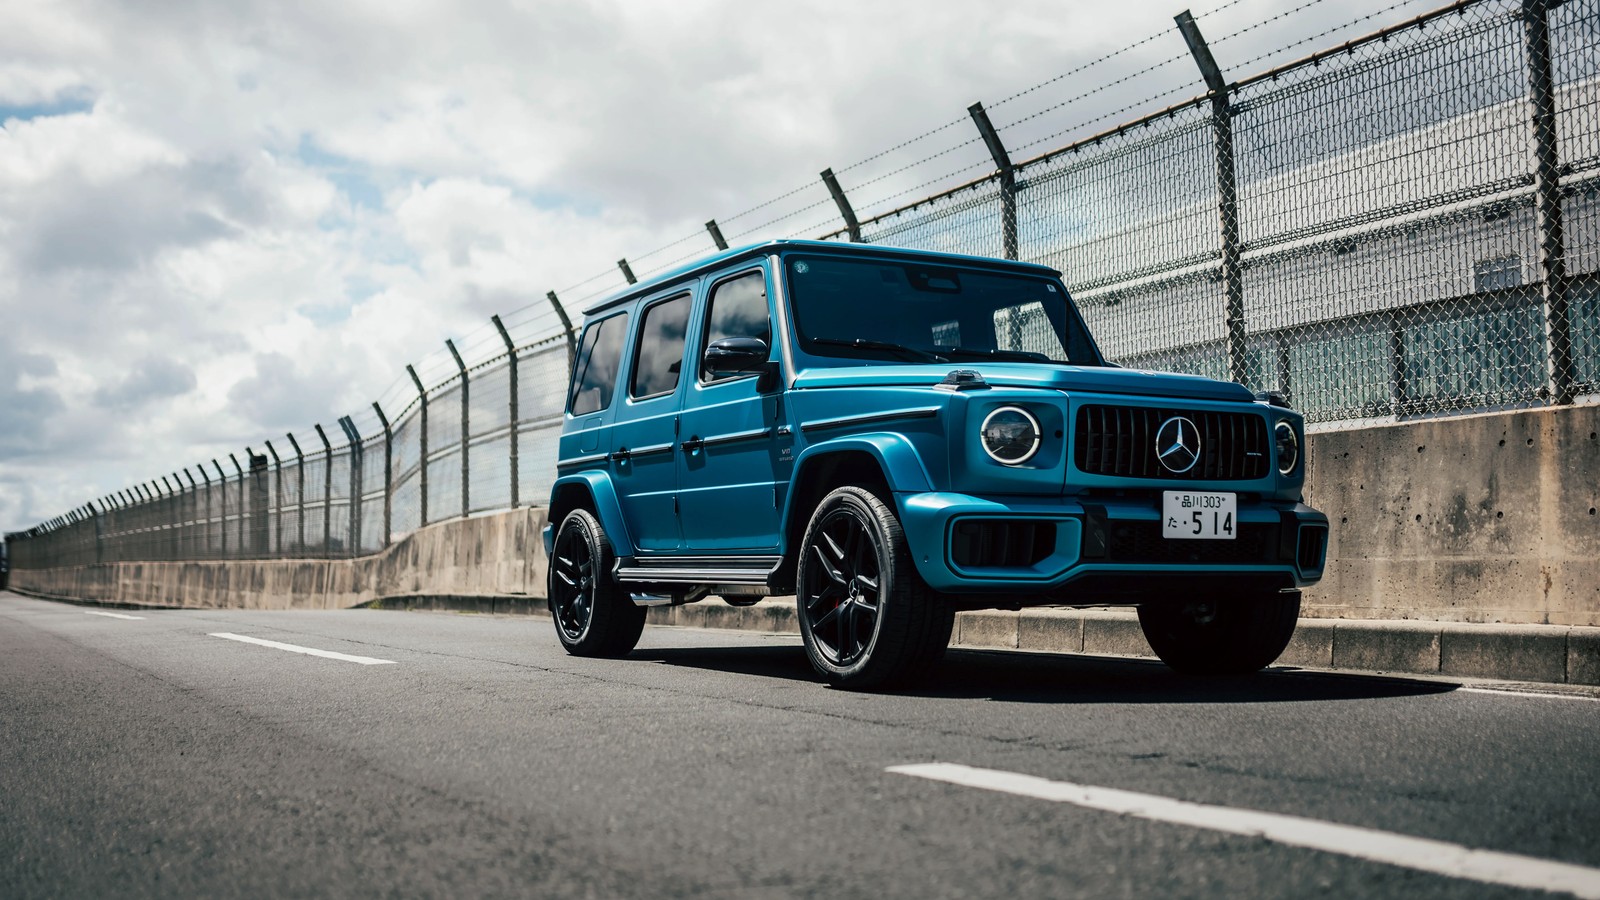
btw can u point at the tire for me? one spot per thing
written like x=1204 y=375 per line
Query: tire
x=592 y=615
x=866 y=617
x=1220 y=635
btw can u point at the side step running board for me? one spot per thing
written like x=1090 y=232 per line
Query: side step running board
x=754 y=570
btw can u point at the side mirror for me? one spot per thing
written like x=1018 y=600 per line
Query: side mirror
x=736 y=354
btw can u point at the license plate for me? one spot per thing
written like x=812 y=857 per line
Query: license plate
x=1199 y=515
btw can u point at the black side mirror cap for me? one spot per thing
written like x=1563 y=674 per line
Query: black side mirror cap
x=1273 y=398
x=737 y=354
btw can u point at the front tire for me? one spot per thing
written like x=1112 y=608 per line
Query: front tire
x=1221 y=635
x=593 y=616
x=866 y=616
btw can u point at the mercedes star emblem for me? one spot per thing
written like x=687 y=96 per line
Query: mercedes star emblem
x=1178 y=444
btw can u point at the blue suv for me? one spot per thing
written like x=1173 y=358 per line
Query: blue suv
x=892 y=436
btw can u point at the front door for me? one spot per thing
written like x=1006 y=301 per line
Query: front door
x=728 y=445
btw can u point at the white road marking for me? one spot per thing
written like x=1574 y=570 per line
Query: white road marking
x=1540 y=694
x=1438 y=857
x=90 y=612
x=327 y=654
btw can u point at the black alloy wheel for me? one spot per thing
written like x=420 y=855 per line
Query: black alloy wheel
x=866 y=617
x=593 y=616
x=843 y=611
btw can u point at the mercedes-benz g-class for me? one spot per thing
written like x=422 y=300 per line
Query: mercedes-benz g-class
x=893 y=436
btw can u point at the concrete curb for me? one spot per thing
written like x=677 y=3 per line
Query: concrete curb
x=1549 y=654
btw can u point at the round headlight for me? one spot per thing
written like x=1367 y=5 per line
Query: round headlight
x=1010 y=435
x=1288 y=447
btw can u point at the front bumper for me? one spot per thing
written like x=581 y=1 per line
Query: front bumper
x=1102 y=549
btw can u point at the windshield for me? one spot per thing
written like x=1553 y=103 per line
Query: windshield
x=916 y=312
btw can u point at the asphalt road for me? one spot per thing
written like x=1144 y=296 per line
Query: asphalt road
x=147 y=757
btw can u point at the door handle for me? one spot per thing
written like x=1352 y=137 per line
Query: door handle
x=693 y=445
x=621 y=454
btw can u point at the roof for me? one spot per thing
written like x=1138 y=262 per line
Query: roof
x=725 y=257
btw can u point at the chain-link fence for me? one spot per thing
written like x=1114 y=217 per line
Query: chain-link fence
x=1407 y=224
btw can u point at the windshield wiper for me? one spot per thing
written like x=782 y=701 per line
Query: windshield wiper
x=865 y=344
x=990 y=353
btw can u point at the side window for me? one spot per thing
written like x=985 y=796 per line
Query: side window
x=738 y=309
x=659 y=356
x=595 y=373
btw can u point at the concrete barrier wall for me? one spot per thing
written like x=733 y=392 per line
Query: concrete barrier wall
x=1488 y=518
x=493 y=555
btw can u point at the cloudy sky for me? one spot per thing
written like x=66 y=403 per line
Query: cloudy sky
x=220 y=222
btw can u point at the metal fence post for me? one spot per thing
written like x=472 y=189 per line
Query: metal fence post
x=1008 y=179
x=191 y=527
x=327 y=492
x=243 y=548
x=1227 y=198
x=466 y=429
x=422 y=456
x=840 y=200
x=716 y=235
x=205 y=526
x=260 y=505
x=170 y=513
x=566 y=325
x=1553 y=288
x=222 y=485
x=388 y=473
x=356 y=465
x=511 y=356
x=99 y=537
x=277 y=501
x=299 y=493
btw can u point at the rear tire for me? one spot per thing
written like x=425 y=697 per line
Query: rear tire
x=1221 y=635
x=866 y=616
x=593 y=616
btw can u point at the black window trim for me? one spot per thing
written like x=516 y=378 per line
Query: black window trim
x=643 y=309
x=705 y=324
x=572 y=383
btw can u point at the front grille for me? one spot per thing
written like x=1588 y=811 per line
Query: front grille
x=1121 y=441
x=1141 y=542
x=1001 y=543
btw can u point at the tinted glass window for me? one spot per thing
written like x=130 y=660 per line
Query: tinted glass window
x=595 y=373
x=916 y=312
x=660 y=353
x=738 y=309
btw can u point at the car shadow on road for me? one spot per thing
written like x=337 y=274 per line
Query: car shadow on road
x=1018 y=677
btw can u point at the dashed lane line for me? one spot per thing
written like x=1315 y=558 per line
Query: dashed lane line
x=309 y=651
x=1542 y=695
x=111 y=615
x=1421 y=854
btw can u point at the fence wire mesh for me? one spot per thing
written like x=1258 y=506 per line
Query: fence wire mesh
x=1405 y=225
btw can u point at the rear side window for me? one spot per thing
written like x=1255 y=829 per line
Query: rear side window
x=659 y=357
x=594 y=375
x=738 y=309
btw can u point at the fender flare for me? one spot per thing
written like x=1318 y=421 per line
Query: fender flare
x=896 y=456
x=603 y=496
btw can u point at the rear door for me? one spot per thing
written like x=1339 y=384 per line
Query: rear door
x=643 y=456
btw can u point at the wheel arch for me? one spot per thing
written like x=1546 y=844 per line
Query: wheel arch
x=881 y=463
x=592 y=491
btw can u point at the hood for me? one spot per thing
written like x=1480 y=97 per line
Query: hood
x=1093 y=379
